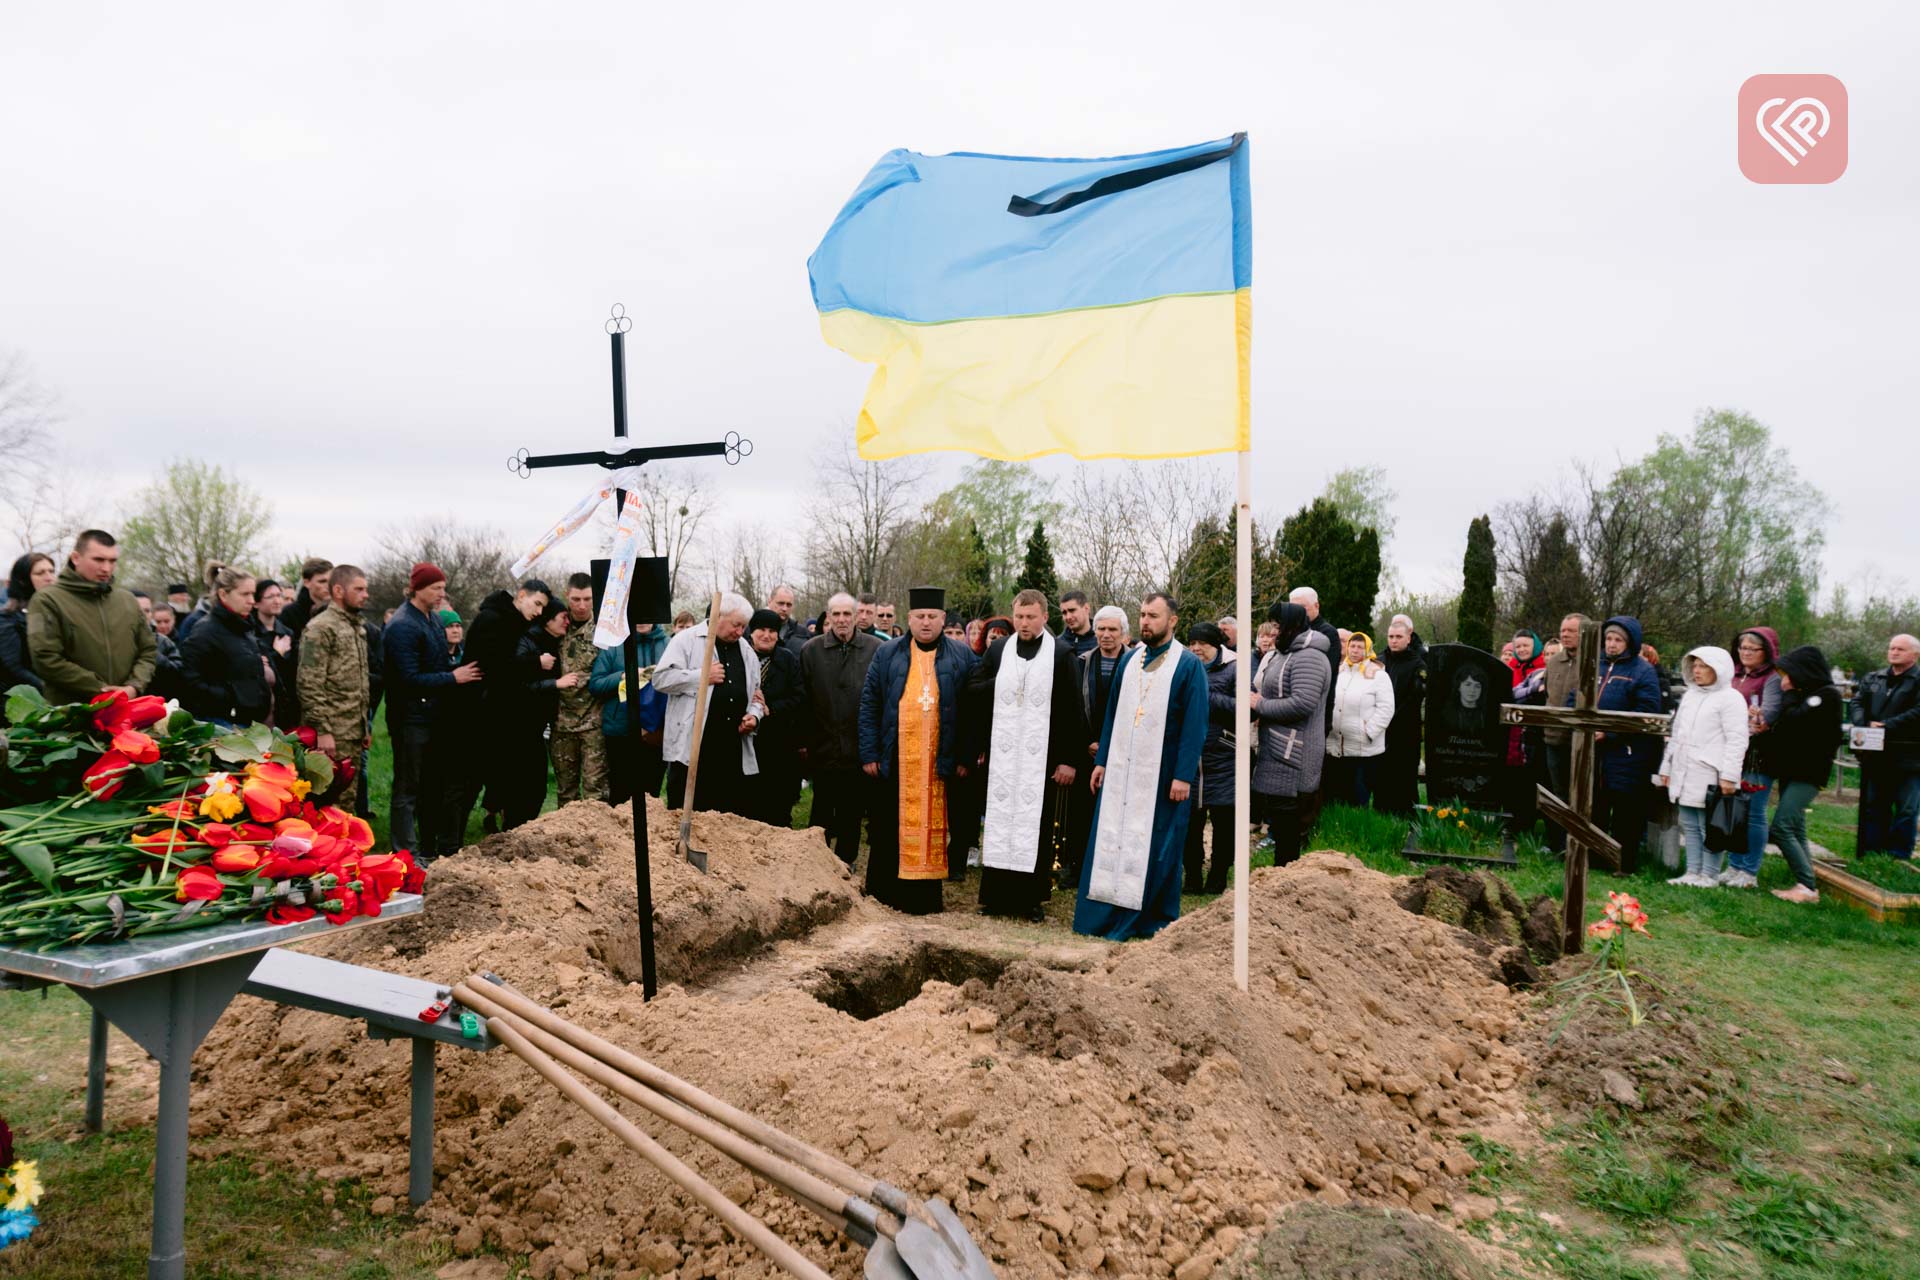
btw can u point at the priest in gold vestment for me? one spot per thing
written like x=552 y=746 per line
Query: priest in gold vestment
x=909 y=747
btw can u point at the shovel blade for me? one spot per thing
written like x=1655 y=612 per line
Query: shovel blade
x=883 y=1262
x=698 y=858
x=948 y=1253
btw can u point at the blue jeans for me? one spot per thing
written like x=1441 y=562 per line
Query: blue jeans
x=1790 y=829
x=1693 y=834
x=1889 y=801
x=1749 y=861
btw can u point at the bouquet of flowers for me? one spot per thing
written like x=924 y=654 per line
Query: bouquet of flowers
x=19 y=1191
x=131 y=817
x=1455 y=828
x=1623 y=915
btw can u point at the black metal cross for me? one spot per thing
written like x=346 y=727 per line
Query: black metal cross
x=523 y=464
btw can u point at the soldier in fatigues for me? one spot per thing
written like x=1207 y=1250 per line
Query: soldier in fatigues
x=579 y=752
x=333 y=683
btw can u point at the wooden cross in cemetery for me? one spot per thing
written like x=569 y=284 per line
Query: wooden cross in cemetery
x=1575 y=817
x=733 y=448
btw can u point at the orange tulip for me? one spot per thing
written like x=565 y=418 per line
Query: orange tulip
x=238 y=858
x=266 y=801
x=136 y=746
x=359 y=834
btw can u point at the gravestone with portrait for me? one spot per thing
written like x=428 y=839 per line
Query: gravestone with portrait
x=1466 y=742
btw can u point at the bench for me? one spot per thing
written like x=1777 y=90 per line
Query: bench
x=389 y=1003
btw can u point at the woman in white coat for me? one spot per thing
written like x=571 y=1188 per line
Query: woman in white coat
x=1705 y=752
x=1362 y=710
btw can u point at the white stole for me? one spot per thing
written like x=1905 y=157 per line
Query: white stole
x=1130 y=788
x=1017 y=768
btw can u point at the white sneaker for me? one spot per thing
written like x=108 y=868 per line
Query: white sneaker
x=1682 y=878
x=1726 y=876
x=1703 y=882
x=1742 y=880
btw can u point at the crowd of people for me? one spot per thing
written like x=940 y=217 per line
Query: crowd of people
x=1086 y=757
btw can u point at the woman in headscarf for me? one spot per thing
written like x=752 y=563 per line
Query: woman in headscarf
x=1757 y=681
x=1525 y=760
x=1289 y=715
x=1363 y=707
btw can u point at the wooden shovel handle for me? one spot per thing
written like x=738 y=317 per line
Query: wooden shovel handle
x=738 y=1220
x=699 y=718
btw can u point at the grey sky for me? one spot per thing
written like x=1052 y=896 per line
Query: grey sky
x=361 y=253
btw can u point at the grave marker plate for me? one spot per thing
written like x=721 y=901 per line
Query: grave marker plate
x=1466 y=743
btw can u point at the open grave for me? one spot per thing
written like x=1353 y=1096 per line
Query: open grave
x=1087 y=1108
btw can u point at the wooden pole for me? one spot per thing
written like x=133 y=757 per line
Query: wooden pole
x=1243 y=729
x=1580 y=786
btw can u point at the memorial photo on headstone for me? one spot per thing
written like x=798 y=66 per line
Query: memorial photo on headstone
x=1466 y=743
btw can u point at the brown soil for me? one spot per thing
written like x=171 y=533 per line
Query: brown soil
x=1139 y=1117
x=1674 y=1061
x=1313 y=1242
x=1518 y=937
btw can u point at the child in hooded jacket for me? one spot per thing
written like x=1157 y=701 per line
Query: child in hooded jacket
x=1705 y=751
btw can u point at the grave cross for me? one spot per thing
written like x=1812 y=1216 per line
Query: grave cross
x=733 y=448
x=1575 y=815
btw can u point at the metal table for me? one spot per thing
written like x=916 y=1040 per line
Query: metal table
x=166 y=992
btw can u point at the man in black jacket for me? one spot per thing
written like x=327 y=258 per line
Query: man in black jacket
x=1889 y=699
x=492 y=638
x=793 y=632
x=315 y=574
x=780 y=717
x=419 y=681
x=833 y=670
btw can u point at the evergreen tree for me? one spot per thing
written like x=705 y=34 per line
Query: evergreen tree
x=1476 y=597
x=1320 y=548
x=975 y=597
x=1038 y=574
x=1556 y=582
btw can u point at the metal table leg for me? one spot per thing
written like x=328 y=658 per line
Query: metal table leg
x=96 y=1071
x=168 y=1015
x=420 y=1135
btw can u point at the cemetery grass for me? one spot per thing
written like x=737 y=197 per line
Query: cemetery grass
x=1811 y=1168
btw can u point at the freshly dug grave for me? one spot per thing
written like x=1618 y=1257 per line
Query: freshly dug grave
x=1136 y=1119
x=1519 y=937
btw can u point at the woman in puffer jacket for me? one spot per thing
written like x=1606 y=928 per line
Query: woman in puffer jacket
x=1705 y=752
x=1797 y=752
x=1289 y=715
x=1362 y=710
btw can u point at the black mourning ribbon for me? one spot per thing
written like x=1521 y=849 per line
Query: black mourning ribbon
x=1114 y=183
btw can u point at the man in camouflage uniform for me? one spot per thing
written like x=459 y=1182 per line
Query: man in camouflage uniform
x=579 y=752
x=333 y=677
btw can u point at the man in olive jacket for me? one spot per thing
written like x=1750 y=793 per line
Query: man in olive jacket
x=334 y=676
x=87 y=636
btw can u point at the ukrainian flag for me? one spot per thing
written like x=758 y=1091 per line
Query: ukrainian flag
x=1017 y=306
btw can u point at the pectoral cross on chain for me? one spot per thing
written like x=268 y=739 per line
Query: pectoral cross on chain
x=926 y=697
x=1139 y=714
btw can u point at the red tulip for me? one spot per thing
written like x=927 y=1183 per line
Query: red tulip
x=184 y=810
x=305 y=736
x=197 y=883
x=218 y=835
x=107 y=775
x=288 y=913
x=341 y=905
x=253 y=831
x=359 y=834
x=168 y=841
x=238 y=859
x=416 y=878
x=142 y=712
x=136 y=746
x=332 y=821
x=384 y=873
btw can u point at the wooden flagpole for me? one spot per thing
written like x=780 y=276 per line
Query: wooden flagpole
x=1243 y=725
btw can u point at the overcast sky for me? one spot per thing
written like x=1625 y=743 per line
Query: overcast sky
x=361 y=253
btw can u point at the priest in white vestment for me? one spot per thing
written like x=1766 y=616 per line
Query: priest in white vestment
x=1031 y=734
x=1143 y=776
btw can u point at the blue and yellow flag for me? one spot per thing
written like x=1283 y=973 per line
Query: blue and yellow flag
x=1019 y=306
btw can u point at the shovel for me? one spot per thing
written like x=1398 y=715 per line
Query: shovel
x=905 y=1239
x=698 y=857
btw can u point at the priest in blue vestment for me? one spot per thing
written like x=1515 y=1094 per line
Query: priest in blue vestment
x=1143 y=777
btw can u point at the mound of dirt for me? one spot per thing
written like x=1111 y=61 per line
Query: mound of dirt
x=1314 y=1242
x=1586 y=1054
x=1138 y=1118
x=1518 y=937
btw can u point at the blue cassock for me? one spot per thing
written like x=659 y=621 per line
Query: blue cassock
x=1179 y=759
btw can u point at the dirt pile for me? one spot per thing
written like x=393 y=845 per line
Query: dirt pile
x=1518 y=937
x=1313 y=1242
x=1140 y=1118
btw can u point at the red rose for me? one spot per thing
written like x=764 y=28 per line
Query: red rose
x=107 y=775
x=136 y=746
x=288 y=913
x=341 y=904
x=416 y=877
x=197 y=883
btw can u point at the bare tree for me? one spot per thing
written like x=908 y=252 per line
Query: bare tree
x=1098 y=543
x=859 y=512
x=38 y=497
x=754 y=564
x=673 y=504
x=476 y=559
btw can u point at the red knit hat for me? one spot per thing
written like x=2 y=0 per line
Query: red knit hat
x=424 y=575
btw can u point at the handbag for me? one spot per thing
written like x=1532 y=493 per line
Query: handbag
x=1726 y=819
